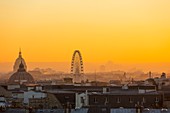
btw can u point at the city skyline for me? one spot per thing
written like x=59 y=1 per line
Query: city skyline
x=85 y=56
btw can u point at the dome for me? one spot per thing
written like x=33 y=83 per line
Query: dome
x=21 y=76
x=163 y=76
x=151 y=80
x=18 y=62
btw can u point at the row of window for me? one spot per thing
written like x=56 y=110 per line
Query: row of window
x=119 y=100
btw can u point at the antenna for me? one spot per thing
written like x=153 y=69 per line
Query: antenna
x=20 y=52
x=95 y=78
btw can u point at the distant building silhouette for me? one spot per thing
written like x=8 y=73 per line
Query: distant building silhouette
x=163 y=76
x=150 y=74
x=18 y=62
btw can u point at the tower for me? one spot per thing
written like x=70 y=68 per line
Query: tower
x=18 y=62
x=150 y=74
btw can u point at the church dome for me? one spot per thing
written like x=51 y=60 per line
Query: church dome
x=21 y=76
x=18 y=62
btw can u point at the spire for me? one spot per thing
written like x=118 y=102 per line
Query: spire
x=20 y=54
x=150 y=74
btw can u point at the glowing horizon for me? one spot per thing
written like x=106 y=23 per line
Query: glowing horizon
x=124 y=31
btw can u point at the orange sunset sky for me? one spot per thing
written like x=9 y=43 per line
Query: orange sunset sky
x=122 y=31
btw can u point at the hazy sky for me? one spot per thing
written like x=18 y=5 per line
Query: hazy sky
x=136 y=31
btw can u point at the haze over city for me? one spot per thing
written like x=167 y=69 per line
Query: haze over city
x=92 y=67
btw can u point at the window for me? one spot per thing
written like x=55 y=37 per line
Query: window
x=130 y=100
x=104 y=109
x=118 y=100
x=66 y=97
x=156 y=99
x=95 y=100
x=82 y=100
x=106 y=100
x=143 y=100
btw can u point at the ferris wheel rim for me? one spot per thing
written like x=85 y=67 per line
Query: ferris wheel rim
x=81 y=62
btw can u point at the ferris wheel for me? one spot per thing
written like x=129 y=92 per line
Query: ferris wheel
x=77 y=63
